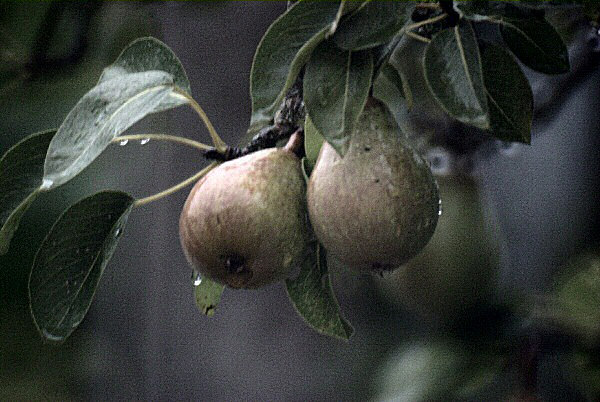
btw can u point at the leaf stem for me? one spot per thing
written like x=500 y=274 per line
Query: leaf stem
x=162 y=137
x=418 y=37
x=217 y=141
x=424 y=22
x=175 y=188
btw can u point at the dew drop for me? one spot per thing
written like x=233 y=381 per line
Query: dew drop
x=144 y=141
x=440 y=207
x=123 y=142
x=439 y=161
x=196 y=278
x=118 y=232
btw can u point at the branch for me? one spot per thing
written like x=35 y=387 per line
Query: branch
x=287 y=121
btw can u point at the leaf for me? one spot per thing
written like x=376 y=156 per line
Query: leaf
x=346 y=7
x=71 y=260
x=336 y=87
x=283 y=50
x=390 y=88
x=103 y=113
x=21 y=171
x=313 y=140
x=509 y=95
x=375 y=23
x=312 y=296
x=141 y=81
x=208 y=295
x=146 y=54
x=453 y=74
x=536 y=43
x=574 y=303
x=528 y=35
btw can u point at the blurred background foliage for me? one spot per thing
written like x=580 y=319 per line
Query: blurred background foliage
x=436 y=329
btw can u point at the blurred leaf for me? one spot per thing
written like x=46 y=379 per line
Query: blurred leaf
x=575 y=300
x=21 y=171
x=439 y=369
x=422 y=372
x=375 y=23
x=313 y=140
x=536 y=43
x=453 y=74
x=71 y=260
x=312 y=296
x=142 y=81
x=208 y=295
x=336 y=87
x=390 y=88
x=283 y=50
x=582 y=368
x=509 y=95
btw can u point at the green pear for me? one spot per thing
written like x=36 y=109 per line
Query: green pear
x=244 y=224
x=376 y=207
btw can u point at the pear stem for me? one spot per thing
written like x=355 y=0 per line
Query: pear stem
x=219 y=144
x=295 y=142
x=177 y=187
x=162 y=137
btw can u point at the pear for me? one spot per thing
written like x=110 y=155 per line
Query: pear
x=244 y=224
x=377 y=207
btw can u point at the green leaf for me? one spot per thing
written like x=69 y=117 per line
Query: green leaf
x=536 y=43
x=103 y=113
x=453 y=74
x=208 y=295
x=71 y=260
x=509 y=95
x=143 y=80
x=313 y=140
x=336 y=87
x=530 y=37
x=575 y=299
x=21 y=171
x=374 y=24
x=390 y=88
x=346 y=7
x=283 y=50
x=312 y=296
x=148 y=54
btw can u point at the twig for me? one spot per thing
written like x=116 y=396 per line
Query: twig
x=286 y=122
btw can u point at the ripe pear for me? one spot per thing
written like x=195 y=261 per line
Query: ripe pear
x=377 y=207
x=244 y=224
